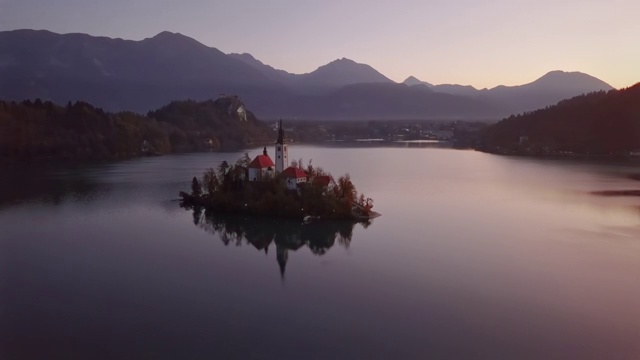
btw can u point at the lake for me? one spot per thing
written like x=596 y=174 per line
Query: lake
x=475 y=256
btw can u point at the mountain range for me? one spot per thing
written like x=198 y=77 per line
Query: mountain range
x=119 y=74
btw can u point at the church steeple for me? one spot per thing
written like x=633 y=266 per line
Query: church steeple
x=282 y=153
x=280 y=134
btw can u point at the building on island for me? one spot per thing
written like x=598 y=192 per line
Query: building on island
x=294 y=176
x=262 y=167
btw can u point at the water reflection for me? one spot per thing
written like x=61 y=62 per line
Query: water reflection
x=46 y=185
x=285 y=235
x=375 y=143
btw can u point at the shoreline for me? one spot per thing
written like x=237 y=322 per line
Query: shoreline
x=277 y=217
x=584 y=157
x=46 y=161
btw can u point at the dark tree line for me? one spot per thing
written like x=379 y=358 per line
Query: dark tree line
x=192 y=122
x=600 y=123
x=40 y=131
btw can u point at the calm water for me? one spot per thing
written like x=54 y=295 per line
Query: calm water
x=475 y=257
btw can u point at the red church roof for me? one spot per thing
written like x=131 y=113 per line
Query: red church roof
x=292 y=172
x=261 y=161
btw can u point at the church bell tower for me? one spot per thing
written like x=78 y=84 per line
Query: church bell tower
x=282 y=154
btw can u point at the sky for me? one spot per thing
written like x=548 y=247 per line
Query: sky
x=472 y=42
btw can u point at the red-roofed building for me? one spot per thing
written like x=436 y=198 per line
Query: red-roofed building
x=262 y=167
x=294 y=176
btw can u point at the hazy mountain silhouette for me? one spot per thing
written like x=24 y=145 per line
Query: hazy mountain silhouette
x=453 y=89
x=268 y=71
x=545 y=91
x=120 y=74
x=388 y=101
x=343 y=72
x=338 y=73
x=141 y=75
x=411 y=81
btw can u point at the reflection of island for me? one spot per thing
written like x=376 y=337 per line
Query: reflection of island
x=284 y=234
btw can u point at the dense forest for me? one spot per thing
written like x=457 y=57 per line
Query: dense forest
x=40 y=131
x=600 y=123
x=225 y=121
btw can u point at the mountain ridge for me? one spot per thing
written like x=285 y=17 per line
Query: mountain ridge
x=140 y=75
x=412 y=80
x=546 y=90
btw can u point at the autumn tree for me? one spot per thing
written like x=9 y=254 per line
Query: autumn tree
x=345 y=188
x=210 y=181
x=244 y=161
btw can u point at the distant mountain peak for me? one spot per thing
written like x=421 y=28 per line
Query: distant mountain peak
x=346 y=71
x=168 y=35
x=412 y=80
x=343 y=62
x=571 y=79
x=165 y=33
x=246 y=55
x=174 y=38
x=559 y=73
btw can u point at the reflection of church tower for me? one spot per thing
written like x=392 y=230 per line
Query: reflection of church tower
x=282 y=154
x=282 y=254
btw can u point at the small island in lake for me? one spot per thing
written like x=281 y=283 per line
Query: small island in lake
x=264 y=187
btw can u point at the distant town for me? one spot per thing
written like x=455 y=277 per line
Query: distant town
x=448 y=132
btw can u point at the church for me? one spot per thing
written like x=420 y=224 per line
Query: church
x=264 y=168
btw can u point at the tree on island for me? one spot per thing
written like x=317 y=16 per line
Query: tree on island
x=196 y=189
x=346 y=189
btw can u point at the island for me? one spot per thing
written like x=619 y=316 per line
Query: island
x=261 y=186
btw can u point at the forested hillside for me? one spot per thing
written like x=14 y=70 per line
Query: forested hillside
x=37 y=131
x=225 y=121
x=601 y=123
